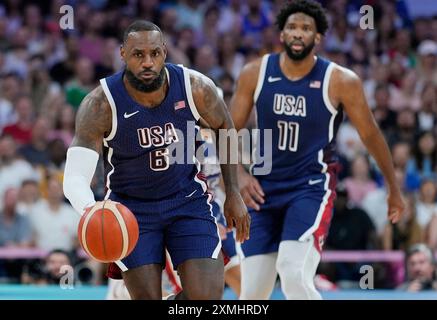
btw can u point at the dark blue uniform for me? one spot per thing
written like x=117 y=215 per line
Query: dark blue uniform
x=169 y=200
x=300 y=189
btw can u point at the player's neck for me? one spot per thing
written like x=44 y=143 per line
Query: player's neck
x=295 y=70
x=149 y=99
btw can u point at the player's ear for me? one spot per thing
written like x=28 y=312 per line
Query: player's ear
x=164 y=49
x=122 y=53
x=318 y=38
x=281 y=36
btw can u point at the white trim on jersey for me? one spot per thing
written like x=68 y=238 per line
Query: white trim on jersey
x=113 y=109
x=327 y=101
x=205 y=188
x=189 y=93
x=324 y=202
x=261 y=76
x=111 y=134
x=108 y=177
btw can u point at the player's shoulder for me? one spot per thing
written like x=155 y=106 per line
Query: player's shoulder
x=95 y=105
x=253 y=67
x=343 y=76
x=199 y=79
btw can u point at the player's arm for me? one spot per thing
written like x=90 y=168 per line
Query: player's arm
x=242 y=99
x=213 y=111
x=347 y=85
x=93 y=122
x=242 y=102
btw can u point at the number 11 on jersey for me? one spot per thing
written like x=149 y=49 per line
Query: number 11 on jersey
x=288 y=135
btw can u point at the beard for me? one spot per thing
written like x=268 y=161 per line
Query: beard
x=298 y=56
x=143 y=86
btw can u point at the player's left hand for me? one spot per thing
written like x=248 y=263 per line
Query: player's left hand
x=396 y=207
x=236 y=215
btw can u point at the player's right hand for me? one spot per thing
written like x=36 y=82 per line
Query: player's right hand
x=250 y=189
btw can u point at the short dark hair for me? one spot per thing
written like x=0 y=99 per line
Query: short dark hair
x=420 y=247
x=308 y=7
x=140 y=25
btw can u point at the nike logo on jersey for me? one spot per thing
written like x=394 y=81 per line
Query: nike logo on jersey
x=128 y=115
x=271 y=79
x=191 y=194
x=311 y=182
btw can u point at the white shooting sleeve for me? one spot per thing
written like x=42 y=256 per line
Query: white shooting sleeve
x=79 y=171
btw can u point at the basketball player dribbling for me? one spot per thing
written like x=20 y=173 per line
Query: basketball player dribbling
x=137 y=114
x=301 y=97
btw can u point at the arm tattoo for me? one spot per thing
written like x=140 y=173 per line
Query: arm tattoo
x=209 y=105
x=93 y=120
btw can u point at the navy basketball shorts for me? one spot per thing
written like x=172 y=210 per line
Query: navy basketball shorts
x=297 y=209
x=228 y=244
x=184 y=225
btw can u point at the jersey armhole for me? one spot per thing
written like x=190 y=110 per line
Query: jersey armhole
x=327 y=101
x=113 y=110
x=189 y=93
x=261 y=76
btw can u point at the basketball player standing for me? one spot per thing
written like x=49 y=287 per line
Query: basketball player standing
x=301 y=97
x=137 y=114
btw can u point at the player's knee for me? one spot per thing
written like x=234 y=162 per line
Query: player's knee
x=290 y=270
x=296 y=265
x=211 y=291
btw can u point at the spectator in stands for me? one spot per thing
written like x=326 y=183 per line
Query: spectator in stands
x=402 y=159
x=15 y=229
x=427 y=115
x=384 y=116
x=63 y=71
x=13 y=170
x=255 y=20
x=10 y=85
x=28 y=197
x=54 y=223
x=375 y=204
x=407 y=96
x=359 y=184
x=425 y=156
x=427 y=67
x=426 y=206
x=208 y=35
x=206 y=62
x=228 y=56
x=420 y=267
x=406 y=128
x=64 y=125
x=406 y=232
x=48 y=270
x=42 y=89
x=21 y=130
x=351 y=228
x=35 y=151
x=82 y=83
x=55 y=260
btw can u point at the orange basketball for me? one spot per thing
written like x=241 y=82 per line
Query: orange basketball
x=108 y=231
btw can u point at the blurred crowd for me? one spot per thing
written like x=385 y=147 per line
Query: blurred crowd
x=45 y=72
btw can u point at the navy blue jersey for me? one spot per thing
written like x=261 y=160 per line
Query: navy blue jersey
x=302 y=119
x=137 y=149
